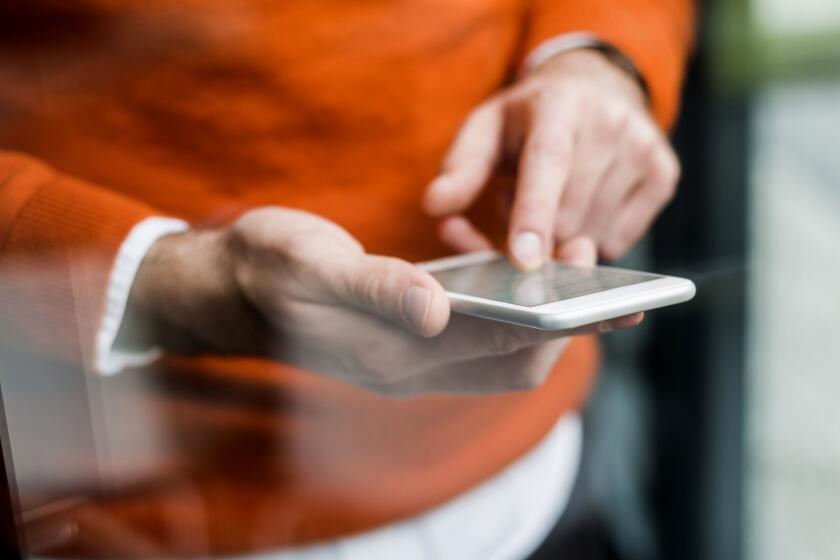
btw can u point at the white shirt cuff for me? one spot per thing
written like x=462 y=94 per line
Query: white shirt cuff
x=109 y=359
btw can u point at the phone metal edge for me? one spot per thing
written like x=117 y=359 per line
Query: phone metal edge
x=583 y=310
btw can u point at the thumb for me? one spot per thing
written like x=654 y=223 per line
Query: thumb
x=469 y=164
x=394 y=290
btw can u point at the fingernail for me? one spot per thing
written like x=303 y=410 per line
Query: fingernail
x=416 y=301
x=528 y=250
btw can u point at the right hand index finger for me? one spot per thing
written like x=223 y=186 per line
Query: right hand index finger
x=545 y=166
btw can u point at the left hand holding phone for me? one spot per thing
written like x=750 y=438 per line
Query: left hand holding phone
x=291 y=286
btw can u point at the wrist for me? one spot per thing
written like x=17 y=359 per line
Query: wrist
x=601 y=66
x=185 y=298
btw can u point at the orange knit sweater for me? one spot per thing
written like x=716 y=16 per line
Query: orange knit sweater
x=115 y=110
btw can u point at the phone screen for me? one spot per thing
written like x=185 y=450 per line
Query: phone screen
x=499 y=280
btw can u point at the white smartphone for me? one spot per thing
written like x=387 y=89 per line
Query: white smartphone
x=556 y=297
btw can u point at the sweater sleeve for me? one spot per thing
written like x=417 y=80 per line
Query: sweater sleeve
x=656 y=35
x=59 y=238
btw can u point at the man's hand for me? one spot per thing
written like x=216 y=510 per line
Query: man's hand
x=591 y=161
x=291 y=286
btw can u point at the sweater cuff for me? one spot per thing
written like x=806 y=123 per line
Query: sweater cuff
x=110 y=358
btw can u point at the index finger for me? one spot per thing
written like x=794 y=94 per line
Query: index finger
x=545 y=166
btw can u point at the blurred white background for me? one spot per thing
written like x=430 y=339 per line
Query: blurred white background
x=793 y=441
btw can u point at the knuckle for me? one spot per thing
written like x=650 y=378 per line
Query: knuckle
x=298 y=246
x=368 y=287
x=643 y=137
x=666 y=174
x=611 y=118
x=555 y=151
x=547 y=93
x=380 y=287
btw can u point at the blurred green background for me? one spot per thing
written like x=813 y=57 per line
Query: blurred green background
x=755 y=43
